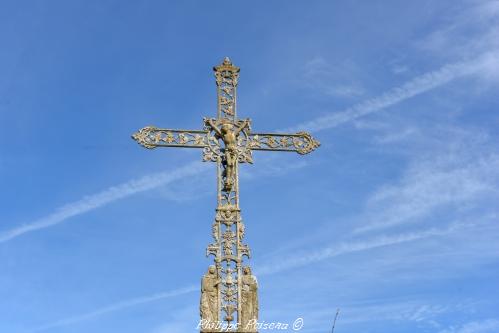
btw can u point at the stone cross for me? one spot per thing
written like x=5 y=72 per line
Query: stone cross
x=228 y=289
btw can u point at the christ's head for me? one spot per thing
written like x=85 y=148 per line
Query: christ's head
x=226 y=127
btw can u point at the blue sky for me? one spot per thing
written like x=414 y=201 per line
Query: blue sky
x=393 y=220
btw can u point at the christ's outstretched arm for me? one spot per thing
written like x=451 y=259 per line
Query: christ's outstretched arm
x=214 y=127
x=241 y=127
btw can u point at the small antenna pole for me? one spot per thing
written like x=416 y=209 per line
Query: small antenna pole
x=335 y=317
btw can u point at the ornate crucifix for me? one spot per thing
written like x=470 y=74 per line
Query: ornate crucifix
x=228 y=290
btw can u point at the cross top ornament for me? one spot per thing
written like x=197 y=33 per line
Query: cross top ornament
x=229 y=298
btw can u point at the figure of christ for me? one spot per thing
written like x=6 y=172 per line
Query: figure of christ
x=229 y=132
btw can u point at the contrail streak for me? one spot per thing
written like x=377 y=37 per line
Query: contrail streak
x=103 y=198
x=349 y=247
x=414 y=87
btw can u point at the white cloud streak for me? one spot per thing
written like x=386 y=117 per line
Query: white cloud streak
x=420 y=84
x=349 y=247
x=386 y=310
x=485 y=326
x=430 y=185
x=103 y=198
x=118 y=306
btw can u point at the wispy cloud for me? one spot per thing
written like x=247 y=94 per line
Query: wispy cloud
x=387 y=309
x=416 y=200
x=103 y=198
x=117 y=306
x=414 y=87
x=455 y=173
x=306 y=258
x=484 y=326
x=422 y=315
x=466 y=32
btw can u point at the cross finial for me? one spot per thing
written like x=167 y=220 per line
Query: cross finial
x=226 y=65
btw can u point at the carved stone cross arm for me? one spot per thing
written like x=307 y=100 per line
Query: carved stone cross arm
x=301 y=142
x=151 y=137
